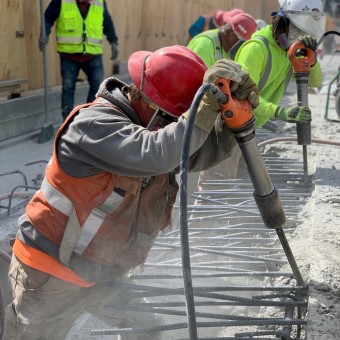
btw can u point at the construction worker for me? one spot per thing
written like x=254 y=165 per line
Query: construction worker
x=264 y=56
x=109 y=189
x=80 y=26
x=224 y=42
x=296 y=20
x=218 y=44
x=204 y=23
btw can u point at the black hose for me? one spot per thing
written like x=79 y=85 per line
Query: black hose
x=325 y=35
x=183 y=210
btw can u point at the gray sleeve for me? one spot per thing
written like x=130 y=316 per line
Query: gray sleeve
x=115 y=144
x=217 y=147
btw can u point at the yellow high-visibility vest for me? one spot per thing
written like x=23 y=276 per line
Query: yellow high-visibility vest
x=76 y=35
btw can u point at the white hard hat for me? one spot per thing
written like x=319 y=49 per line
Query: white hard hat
x=306 y=15
x=260 y=23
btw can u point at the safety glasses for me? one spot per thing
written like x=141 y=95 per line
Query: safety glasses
x=160 y=117
x=159 y=120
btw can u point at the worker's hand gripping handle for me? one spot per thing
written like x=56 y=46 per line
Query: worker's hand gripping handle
x=302 y=59
x=238 y=116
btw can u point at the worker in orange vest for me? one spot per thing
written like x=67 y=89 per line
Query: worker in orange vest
x=108 y=190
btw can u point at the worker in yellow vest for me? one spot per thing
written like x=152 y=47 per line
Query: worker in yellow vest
x=80 y=26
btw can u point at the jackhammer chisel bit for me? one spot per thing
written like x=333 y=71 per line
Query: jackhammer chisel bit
x=238 y=116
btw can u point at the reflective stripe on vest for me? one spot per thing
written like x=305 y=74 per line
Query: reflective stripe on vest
x=215 y=38
x=76 y=237
x=76 y=35
x=268 y=68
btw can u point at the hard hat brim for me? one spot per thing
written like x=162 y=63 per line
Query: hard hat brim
x=136 y=64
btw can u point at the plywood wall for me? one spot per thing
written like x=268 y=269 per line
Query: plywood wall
x=140 y=25
x=13 y=57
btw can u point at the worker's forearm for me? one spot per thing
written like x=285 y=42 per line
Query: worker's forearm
x=108 y=27
x=315 y=76
x=264 y=112
x=51 y=15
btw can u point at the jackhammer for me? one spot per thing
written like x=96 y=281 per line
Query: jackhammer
x=239 y=118
x=302 y=59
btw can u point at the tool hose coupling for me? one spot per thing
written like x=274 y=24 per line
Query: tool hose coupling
x=271 y=210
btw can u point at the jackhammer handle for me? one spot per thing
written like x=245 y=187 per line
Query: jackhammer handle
x=301 y=58
x=237 y=114
x=221 y=97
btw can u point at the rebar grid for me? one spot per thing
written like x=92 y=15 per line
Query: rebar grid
x=233 y=255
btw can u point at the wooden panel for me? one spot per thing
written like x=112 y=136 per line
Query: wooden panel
x=13 y=61
x=140 y=25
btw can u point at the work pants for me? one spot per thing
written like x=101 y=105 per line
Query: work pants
x=93 y=68
x=44 y=307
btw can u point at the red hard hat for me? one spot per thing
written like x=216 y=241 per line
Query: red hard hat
x=234 y=12
x=170 y=76
x=242 y=24
x=218 y=17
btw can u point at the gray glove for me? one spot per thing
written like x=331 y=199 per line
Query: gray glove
x=114 y=51
x=247 y=89
x=209 y=107
x=227 y=69
x=294 y=114
x=309 y=42
x=241 y=85
x=43 y=42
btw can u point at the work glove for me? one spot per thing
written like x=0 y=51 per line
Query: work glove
x=227 y=69
x=43 y=42
x=309 y=42
x=114 y=51
x=247 y=89
x=294 y=114
x=209 y=108
x=241 y=85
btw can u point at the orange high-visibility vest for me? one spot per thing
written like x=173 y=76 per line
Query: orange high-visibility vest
x=105 y=218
